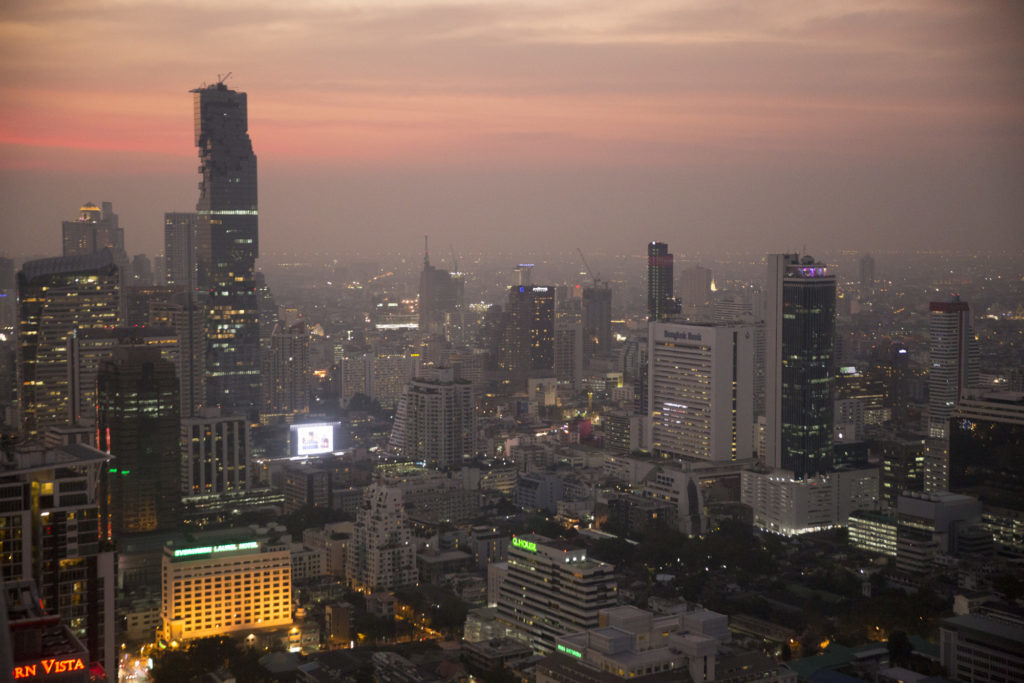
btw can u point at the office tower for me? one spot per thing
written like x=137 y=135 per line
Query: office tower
x=229 y=246
x=381 y=556
x=50 y=533
x=440 y=294
x=89 y=348
x=986 y=449
x=214 y=454
x=660 y=301
x=597 y=321
x=527 y=346
x=701 y=391
x=57 y=297
x=180 y=244
x=223 y=587
x=435 y=422
x=902 y=468
x=800 y=307
x=522 y=275
x=953 y=354
x=187 y=317
x=139 y=424
x=552 y=589
x=286 y=373
x=867 y=272
x=695 y=286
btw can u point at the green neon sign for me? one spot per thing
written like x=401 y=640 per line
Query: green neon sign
x=210 y=549
x=569 y=651
x=524 y=544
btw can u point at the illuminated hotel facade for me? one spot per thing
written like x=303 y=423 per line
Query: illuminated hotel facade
x=223 y=588
x=552 y=589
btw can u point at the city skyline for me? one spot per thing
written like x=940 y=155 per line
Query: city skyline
x=487 y=125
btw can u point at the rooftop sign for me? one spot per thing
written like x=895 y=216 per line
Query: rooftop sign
x=210 y=549
x=524 y=544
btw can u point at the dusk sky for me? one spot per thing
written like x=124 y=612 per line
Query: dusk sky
x=712 y=125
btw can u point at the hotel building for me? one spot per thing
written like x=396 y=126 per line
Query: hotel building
x=218 y=589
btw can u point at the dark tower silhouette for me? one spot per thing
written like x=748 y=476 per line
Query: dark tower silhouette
x=227 y=247
x=660 y=303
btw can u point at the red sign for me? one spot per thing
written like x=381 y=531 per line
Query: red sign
x=51 y=665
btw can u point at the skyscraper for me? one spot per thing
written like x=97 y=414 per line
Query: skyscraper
x=138 y=423
x=597 y=321
x=800 y=310
x=180 y=243
x=228 y=244
x=953 y=353
x=57 y=297
x=440 y=293
x=528 y=339
x=660 y=303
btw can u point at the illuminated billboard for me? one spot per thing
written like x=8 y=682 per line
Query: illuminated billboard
x=313 y=439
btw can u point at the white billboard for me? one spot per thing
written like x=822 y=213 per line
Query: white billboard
x=313 y=439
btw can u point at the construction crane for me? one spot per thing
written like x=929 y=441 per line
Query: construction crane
x=587 y=266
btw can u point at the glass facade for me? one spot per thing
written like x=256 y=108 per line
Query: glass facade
x=227 y=247
x=807 y=379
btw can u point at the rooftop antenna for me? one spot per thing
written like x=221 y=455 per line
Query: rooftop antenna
x=221 y=79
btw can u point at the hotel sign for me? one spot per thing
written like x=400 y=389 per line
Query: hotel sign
x=45 y=667
x=209 y=549
x=524 y=544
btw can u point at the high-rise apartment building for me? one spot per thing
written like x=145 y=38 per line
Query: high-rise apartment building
x=660 y=287
x=953 y=366
x=50 y=533
x=57 y=297
x=228 y=248
x=527 y=346
x=138 y=423
x=569 y=354
x=552 y=589
x=436 y=420
x=800 y=309
x=286 y=372
x=701 y=391
x=381 y=556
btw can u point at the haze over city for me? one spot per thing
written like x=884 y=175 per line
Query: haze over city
x=496 y=125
